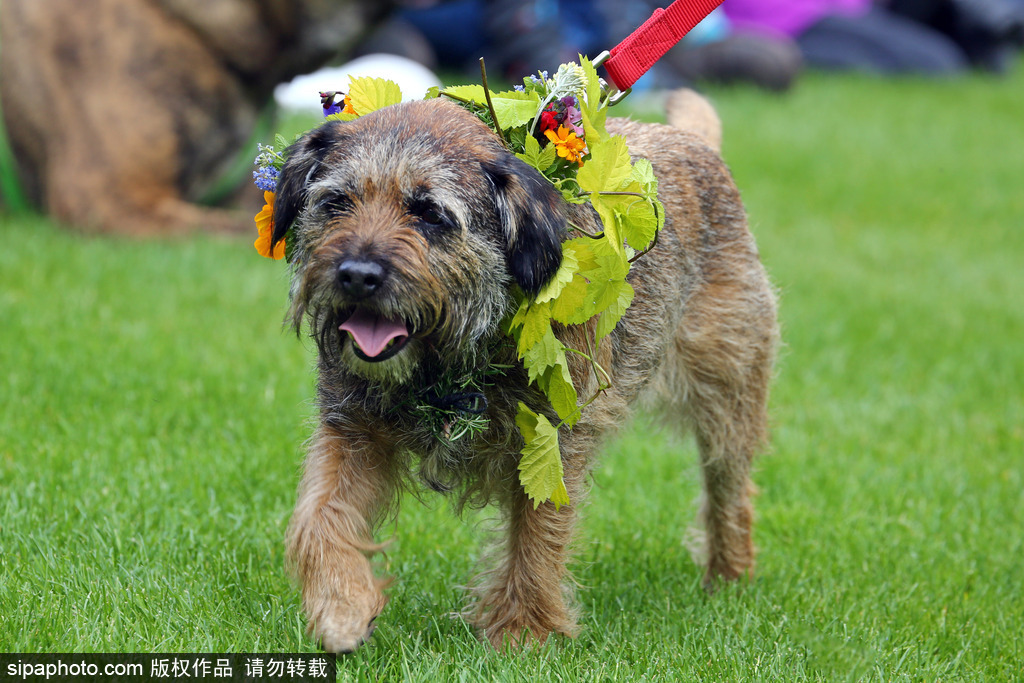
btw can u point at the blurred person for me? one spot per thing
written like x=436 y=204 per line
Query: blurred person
x=515 y=37
x=990 y=32
x=851 y=34
x=712 y=52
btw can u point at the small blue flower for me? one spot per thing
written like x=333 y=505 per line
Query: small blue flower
x=266 y=178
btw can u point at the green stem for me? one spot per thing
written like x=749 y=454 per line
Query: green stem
x=597 y=366
x=490 y=105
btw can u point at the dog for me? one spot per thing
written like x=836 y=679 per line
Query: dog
x=124 y=114
x=410 y=228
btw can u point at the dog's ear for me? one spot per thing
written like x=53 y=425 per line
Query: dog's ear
x=533 y=221
x=303 y=161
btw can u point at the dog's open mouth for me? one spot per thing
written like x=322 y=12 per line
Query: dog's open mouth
x=375 y=338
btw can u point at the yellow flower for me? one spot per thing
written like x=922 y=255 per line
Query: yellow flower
x=567 y=145
x=265 y=224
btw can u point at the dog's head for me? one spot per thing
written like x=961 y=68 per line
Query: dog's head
x=410 y=225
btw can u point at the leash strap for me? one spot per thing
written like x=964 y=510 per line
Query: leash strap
x=634 y=56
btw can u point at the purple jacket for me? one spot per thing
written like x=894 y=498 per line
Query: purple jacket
x=787 y=17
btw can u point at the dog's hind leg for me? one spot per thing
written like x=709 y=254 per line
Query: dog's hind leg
x=343 y=488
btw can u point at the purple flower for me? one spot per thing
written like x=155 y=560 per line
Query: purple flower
x=327 y=101
x=573 y=117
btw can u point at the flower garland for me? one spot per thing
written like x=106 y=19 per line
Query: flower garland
x=557 y=125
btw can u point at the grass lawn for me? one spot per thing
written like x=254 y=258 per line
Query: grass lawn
x=152 y=414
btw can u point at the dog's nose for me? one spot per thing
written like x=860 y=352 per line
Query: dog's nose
x=359 y=278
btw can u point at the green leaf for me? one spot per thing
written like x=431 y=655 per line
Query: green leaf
x=513 y=108
x=606 y=294
x=607 y=262
x=342 y=116
x=536 y=323
x=608 y=168
x=540 y=467
x=370 y=94
x=611 y=317
x=572 y=306
x=473 y=93
x=643 y=175
x=605 y=208
x=515 y=323
x=562 y=276
x=635 y=219
x=540 y=159
x=592 y=113
x=545 y=353
x=558 y=387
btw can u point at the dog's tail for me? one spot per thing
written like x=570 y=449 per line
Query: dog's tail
x=686 y=110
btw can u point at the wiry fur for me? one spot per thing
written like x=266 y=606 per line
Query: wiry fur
x=700 y=336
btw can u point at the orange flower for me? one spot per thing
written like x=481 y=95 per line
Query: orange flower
x=567 y=145
x=348 y=106
x=265 y=224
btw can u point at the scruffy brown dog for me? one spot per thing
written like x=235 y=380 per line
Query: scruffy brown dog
x=123 y=113
x=409 y=226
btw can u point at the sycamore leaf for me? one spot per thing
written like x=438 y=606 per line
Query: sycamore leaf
x=514 y=325
x=635 y=218
x=558 y=387
x=605 y=208
x=473 y=93
x=562 y=276
x=572 y=307
x=643 y=174
x=605 y=262
x=540 y=467
x=513 y=108
x=536 y=323
x=611 y=317
x=540 y=159
x=547 y=352
x=592 y=113
x=608 y=168
x=370 y=94
x=583 y=249
x=606 y=293
x=342 y=116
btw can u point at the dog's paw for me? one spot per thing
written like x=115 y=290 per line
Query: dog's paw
x=341 y=632
x=343 y=624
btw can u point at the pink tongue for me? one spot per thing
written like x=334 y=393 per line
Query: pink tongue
x=371 y=333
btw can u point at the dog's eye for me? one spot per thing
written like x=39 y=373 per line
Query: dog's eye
x=431 y=216
x=335 y=202
x=427 y=212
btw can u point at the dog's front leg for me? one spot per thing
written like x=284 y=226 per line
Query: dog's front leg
x=526 y=596
x=330 y=536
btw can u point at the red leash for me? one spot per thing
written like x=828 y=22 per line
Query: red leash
x=631 y=59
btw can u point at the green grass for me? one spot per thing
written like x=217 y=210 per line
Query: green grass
x=152 y=414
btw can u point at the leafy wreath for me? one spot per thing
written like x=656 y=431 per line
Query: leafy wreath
x=556 y=125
